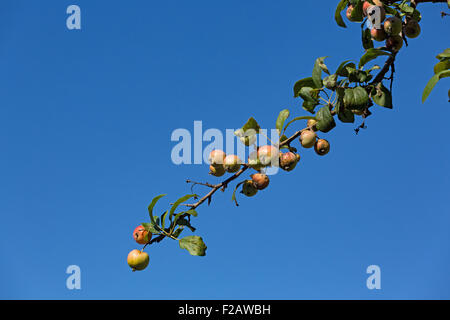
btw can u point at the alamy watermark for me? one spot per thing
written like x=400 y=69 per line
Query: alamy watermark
x=374 y=280
x=374 y=17
x=73 y=281
x=73 y=22
x=190 y=147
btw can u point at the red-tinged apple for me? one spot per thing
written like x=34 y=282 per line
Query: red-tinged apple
x=378 y=34
x=322 y=147
x=268 y=155
x=260 y=181
x=232 y=163
x=393 y=26
x=141 y=235
x=394 y=43
x=216 y=157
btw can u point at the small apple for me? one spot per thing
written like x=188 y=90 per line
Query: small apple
x=260 y=181
x=349 y=13
x=141 y=235
x=394 y=43
x=412 y=29
x=366 y=5
x=322 y=147
x=216 y=157
x=308 y=138
x=289 y=160
x=378 y=34
x=311 y=123
x=138 y=260
x=248 y=189
x=232 y=163
x=216 y=170
x=393 y=26
x=268 y=155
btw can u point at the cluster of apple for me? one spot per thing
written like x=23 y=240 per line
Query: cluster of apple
x=138 y=260
x=391 y=29
x=266 y=156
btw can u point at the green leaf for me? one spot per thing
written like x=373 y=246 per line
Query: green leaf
x=251 y=125
x=444 y=55
x=322 y=65
x=163 y=220
x=355 y=75
x=441 y=66
x=284 y=114
x=344 y=115
x=330 y=82
x=382 y=96
x=342 y=69
x=366 y=39
x=325 y=121
x=319 y=66
x=337 y=15
x=308 y=94
x=430 y=85
x=178 y=202
x=355 y=98
x=175 y=220
x=370 y=55
x=185 y=223
x=310 y=106
x=194 y=245
x=307 y=82
x=406 y=8
x=191 y=212
x=390 y=11
x=310 y=97
x=317 y=74
x=152 y=205
x=150 y=227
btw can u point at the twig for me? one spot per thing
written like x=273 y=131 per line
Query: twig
x=183 y=204
x=416 y=2
x=206 y=184
x=387 y=66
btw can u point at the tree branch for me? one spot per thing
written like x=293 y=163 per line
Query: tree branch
x=387 y=65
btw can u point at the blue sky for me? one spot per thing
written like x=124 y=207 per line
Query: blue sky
x=85 y=123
